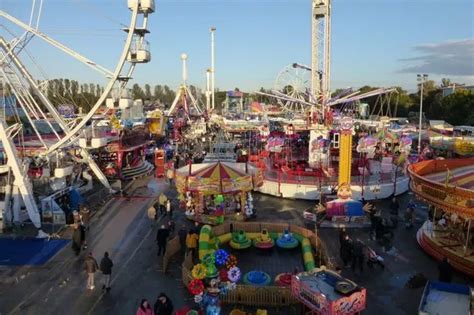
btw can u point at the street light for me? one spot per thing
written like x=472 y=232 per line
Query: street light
x=422 y=79
x=213 y=67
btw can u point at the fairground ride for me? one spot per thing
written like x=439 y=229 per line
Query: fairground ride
x=59 y=152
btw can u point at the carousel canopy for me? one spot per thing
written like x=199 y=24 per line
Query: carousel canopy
x=218 y=178
x=218 y=171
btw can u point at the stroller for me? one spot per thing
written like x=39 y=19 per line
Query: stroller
x=374 y=259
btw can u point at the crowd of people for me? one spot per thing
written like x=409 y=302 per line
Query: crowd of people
x=354 y=252
x=162 y=306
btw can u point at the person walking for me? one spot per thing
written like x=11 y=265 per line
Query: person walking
x=163 y=305
x=144 y=308
x=85 y=215
x=162 y=202
x=346 y=251
x=358 y=255
x=409 y=217
x=394 y=206
x=106 y=265
x=171 y=226
x=161 y=239
x=152 y=214
x=76 y=239
x=197 y=228
x=182 y=234
x=445 y=271
x=169 y=208
x=191 y=243
x=90 y=266
x=82 y=229
x=342 y=237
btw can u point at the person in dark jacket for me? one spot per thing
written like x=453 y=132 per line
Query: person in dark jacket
x=76 y=239
x=90 y=266
x=82 y=228
x=161 y=239
x=106 y=265
x=394 y=206
x=358 y=255
x=182 y=233
x=346 y=250
x=445 y=271
x=342 y=237
x=163 y=305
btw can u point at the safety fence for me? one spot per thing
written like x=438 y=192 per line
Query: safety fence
x=261 y=295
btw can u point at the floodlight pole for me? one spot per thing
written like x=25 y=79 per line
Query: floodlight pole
x=213 y=67
x=421 y=79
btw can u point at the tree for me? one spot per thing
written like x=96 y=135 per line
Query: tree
x=84 y=88
x=74 y=88
x=98 y=91
x=137 y=92
x=404 y=103
x=158 y=93
x=50 y=89
x=169 y=96
x=92 y=88
x=445 y=82
x=60 y=87
x=263 y=98
x=457 y=108
x=429 y=87
x=67 y=87
x=147 y=91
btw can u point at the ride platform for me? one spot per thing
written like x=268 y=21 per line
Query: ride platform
x=440 y=243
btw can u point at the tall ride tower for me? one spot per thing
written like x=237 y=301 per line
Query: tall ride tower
x=321 y=51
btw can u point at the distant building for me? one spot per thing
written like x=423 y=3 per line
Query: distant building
x=456 y=87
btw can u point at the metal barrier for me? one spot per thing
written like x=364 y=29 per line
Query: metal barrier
x=259 y=296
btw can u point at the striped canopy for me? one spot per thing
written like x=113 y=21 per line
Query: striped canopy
x=218 y=171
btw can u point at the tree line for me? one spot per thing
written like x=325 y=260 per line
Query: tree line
x=457 y=108
x=85 y=95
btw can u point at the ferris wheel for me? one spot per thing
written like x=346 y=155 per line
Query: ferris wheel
x=16 y=79
x=292 y=88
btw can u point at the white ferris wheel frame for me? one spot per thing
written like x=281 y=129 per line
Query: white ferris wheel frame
x=20 y=81
x=299 y=78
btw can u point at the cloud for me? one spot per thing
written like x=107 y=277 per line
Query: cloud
x=448 y=58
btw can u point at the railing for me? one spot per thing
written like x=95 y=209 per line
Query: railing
x=260 y=296
x=254 y=295
x=382 y=178
x=447 y=197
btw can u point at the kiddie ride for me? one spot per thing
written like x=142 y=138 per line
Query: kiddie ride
x=323 y=291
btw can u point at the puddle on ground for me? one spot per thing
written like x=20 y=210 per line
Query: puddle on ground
x=399 y=280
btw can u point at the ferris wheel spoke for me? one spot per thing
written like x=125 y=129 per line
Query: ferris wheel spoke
x=57 y=44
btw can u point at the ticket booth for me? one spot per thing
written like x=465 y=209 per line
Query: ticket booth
x=159 y=163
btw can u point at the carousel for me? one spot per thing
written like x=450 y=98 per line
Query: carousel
x=448 y=187
x=211 y=191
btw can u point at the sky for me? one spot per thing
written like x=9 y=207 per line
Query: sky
x=374 y=42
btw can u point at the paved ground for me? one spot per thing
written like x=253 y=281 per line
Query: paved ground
x=123 y=229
